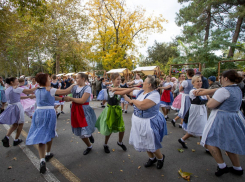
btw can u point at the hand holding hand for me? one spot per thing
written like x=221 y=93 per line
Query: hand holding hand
x=32 y=96
x=67 y=99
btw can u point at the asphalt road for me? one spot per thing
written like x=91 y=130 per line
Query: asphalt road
x=71 y=165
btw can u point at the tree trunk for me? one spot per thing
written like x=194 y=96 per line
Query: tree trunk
x=57 y=63
x=235 y=36
x=208 y=24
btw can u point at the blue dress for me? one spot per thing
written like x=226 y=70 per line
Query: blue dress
x=44 y=119
x=103 y=93
x=185 y=100
x=148 y=127
x=225 y=128
x=89 y=113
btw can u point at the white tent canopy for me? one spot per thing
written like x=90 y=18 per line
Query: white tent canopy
x=121 y=71
x=147 y=70
x=70 y=74
x=61 y=74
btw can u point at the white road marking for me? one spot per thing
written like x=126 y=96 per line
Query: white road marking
x=34 y=159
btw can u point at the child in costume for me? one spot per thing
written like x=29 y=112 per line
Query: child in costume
x=42 y=130
x=14 y=113
x=83 y=117
x=27 y=102
x=111 y=120
x=3 y=99
x=123 y=101
x=167 y=96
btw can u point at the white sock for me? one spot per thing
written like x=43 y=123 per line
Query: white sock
x=173 y=120
x=207 y=150
x=105 y=145
x=90 y=147
x=166 y=116
x=47 y=153
x=153 y=158
x=182 y=140
x=16 y=140
x=160 y=159
x=180 y=124
x=7 y=137
x=222 y=165
x=120 y=143
x=42 y=160
x=237 y=168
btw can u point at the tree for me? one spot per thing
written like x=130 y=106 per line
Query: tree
x=116 y=28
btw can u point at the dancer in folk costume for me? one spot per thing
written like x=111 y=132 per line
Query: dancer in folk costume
x=103 y=95
x=83 y=117
x=138 y=82
x=33 y=83
x=186 y=86
x=123 y=101
x=27 y=102
x=147 y=115
x=167 y=96
x=55 y=84
x=177 y=101
x=111 y=120
x=225 y=128
x=42 y=130
x=196 y=117
x=3 y=99
x=14 y=113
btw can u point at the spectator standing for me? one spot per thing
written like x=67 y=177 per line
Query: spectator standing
x=98 y=85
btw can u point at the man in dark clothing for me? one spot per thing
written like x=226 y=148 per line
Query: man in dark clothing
x=97 y=86
x=204 y=80
x=68 y=81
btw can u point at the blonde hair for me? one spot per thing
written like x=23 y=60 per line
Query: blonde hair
x=194 y=78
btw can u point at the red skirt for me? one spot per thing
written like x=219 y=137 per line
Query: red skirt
x=166 y=96
x=78 y=119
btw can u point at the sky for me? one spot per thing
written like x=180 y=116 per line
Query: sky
x=168 y=8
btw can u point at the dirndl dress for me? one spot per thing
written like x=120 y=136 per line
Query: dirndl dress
x=14 y=113
x=225 y=128
x=43 y=126
x=28 y=104
x=83 y=117
x=197 y=115
x=148 y=127
x=102 y=95
x=177 y=102
x=167 y=99
x=111 y=120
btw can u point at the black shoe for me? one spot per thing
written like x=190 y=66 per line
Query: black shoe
x=101 y=103
x=17 y=142
x=5 y=141
x=173 y=122
x=87 y=151
x=58 y=114
x=166 y=118
x=160 y=162
x=1 y=111
x=62 y=112
x=126 y=112
x=123 y=146
x=236 y=172
x=183 y=144
x=103 y=106
x=48 y=157
x=91 y=139
x=180 y=126
x=106 y=149
x=150 y=162
x=220 y=172
x=43 y=167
